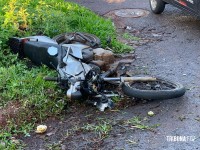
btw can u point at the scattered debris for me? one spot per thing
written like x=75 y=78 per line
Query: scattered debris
x=106 y=56
x=128 y=27
x=41 y=129
x=151 y=113
x=181 y=118
x=197 y=119
x=132 y=142
x=156 y=35
x=14 y=140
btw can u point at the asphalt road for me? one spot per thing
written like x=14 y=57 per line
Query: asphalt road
x=175 y=56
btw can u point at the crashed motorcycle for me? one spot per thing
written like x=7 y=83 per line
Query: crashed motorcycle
x=71 y=55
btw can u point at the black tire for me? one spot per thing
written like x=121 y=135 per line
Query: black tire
x=168 y=90
x=65 y=39
x=157 y=6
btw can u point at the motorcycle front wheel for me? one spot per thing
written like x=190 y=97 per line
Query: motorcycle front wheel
x=153 y=90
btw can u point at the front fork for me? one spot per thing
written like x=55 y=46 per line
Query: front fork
x=73 y=92
x=101 y=101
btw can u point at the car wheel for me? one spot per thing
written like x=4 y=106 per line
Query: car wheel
x=157 y=6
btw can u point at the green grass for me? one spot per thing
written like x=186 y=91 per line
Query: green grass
x=128 y=36
x=18 y=83
x=50 y=18
x=102 y=128
x=138 y=123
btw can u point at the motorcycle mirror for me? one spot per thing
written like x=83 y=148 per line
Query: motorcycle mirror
x=53 y=51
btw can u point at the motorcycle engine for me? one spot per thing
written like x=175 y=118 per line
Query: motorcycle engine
x=92 y=83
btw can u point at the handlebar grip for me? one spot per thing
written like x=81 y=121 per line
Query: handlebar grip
x=141 y=79
x=51 y=78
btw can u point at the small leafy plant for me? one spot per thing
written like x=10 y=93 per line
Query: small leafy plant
x=102 y=128
x=128 y=36
x=138 y=123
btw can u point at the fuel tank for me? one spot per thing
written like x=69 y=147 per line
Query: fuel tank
x=37 y=52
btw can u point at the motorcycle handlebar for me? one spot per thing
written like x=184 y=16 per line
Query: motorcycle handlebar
x=129 y=79
x=51 y=78
x=56 y=79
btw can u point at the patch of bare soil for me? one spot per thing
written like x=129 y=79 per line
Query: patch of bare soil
x=10 y=111
x=80 y=127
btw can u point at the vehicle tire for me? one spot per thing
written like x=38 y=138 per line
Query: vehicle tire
x=157 y=6
x=65 y=38
x=154 y=90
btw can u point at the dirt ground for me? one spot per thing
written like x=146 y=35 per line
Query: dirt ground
x=169 y=47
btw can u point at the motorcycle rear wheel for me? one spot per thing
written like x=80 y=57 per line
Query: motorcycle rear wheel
x=65 y=39
x=154 y=90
